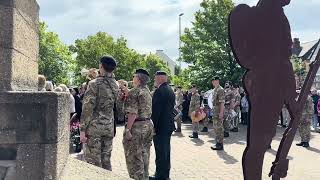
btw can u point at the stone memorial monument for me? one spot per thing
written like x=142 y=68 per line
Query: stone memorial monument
x=34 y=126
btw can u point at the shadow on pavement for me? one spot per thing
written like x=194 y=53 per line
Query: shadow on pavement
x=228 y=159
x=198 y=142
x=178 y=134
x=274 y=152
x=314 y=150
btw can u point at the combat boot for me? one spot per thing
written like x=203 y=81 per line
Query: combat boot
x=226 y=134
x=194 y=135
x=205 y=129
x=300 y=144
x=218 y=147
x=306 y=145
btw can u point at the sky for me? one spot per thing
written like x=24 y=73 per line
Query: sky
x=151 y=25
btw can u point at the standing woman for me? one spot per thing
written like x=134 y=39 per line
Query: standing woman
x=138 y=134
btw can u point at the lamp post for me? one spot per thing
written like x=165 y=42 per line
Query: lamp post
x=180 y=15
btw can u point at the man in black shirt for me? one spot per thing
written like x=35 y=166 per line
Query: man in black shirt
x=163 y=103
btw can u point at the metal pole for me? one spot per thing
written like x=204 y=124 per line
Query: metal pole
x=180 y=38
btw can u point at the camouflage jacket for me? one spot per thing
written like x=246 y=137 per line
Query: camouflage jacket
x=218 y=98
x=98 y=103
x=194 y=103
x=229 y=96
x=237 y=100
x=308 y=108
x=179 y=100
x=139 y=102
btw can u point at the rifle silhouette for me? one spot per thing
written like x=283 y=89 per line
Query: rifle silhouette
x=281 y=159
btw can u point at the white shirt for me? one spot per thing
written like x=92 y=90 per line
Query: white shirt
x=72 y=104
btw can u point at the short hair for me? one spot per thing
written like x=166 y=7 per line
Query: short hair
x=58 y=89
x=161 y=73
x=124 y=82
x=41 y=82
x=108 y=63
x=143 y=78
x=64 y=88
x=49 y=86
x=76 y=90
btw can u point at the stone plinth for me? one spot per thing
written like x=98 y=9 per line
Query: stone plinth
x=19 y=45
x=34 y=131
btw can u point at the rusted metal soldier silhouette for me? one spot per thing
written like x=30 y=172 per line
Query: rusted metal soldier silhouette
x=261 y=41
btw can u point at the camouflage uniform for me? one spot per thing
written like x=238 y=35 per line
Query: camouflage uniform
x=304 y=128
x=97 y=120
x=179 y=101
x=137 y=149
x=194 y=106
x=218 y=98
x=120 y=110
x=229 y=96
x=237 y=110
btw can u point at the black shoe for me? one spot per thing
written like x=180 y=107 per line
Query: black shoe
x=300 y=144
x=194 y=135
x=205 y=129
x=178 y=130
x=306 y=145
x=234 y=130
x=226 y=134
x=217 y=147
x=269 y=147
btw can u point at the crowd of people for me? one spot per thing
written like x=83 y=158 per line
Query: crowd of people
x=102 y=102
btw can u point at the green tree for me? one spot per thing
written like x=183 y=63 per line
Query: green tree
x=206 y=45
x=299 y=68
x=152 y=64
x=55 y=59
x=183 y=79
x=91 y=49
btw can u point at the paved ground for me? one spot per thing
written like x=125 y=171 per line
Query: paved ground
x=193 y=159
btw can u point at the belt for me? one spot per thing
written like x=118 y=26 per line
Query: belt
x=142 y=119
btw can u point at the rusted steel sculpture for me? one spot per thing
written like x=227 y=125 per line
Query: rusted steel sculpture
x=260 y=37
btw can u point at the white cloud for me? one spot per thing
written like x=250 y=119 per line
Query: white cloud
x=149 y=25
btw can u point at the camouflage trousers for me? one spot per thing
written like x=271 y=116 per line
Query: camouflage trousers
x=227 y=120
x=121 y=114
x=179 y=121
x=195 y=127
x=218 y=129
x=304 y=129
x=97 y=150
x=206 y=122
x=236 y=120
x=137 y=150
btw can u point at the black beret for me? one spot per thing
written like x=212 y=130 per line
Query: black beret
x=142 y=71
x=215 y=78
x=108 y=60
x=193 y=86
x=159 y=73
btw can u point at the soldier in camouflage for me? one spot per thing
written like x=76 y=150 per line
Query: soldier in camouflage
x=120 y=103
x=194 y=106
x=97 y=120
x=179 y=101
x=305 y=123
x=138 y=134
x=236 y=107
x=229 y=103
x=218 y=113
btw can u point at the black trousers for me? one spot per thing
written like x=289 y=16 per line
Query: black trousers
x=244 y=117
x=162 y=148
